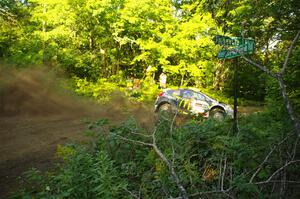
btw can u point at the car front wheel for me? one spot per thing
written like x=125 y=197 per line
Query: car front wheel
x=217 y=114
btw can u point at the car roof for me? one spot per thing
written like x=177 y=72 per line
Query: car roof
x=182 y=89
x=189 y=89
x=174 y=89
x=193 y=89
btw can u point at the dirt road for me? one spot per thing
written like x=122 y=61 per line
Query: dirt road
x=31 y=142
x=35 y=117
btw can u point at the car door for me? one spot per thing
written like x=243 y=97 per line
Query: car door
x=175 y=97
x=199 y=105
x=186 y=99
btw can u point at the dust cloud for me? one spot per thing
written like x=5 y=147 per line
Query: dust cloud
x=38 y=92
x=38 y=112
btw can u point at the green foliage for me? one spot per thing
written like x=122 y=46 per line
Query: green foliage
x=93 y=39
x=107 y=45
x=82 y=175
x=118 y=162
x=103 y=88
x=147 y=92
x=291 y=78
x=100 y=90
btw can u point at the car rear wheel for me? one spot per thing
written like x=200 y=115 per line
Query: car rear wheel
x=167 y=110
x=217 y=114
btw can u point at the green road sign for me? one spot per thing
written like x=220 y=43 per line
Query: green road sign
x=227 y=54
x=232 y=45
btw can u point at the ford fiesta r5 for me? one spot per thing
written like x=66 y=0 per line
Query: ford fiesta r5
x=191 y=101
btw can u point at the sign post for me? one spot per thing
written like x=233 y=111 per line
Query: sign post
x=235 y=125
x=232 y=47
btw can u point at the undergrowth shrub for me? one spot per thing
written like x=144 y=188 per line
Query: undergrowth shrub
x=207 y=157
x=82 y=175
x=102 y=89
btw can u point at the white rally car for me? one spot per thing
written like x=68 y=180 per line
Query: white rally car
x=192 y=101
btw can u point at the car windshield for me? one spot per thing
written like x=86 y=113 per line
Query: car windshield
x=206 y=97
x=201 y=96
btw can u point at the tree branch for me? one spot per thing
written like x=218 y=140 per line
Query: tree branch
x=288 y=105
x=295 y=148
x=209 y=192
x=132 y=194
x=266 y=159
x=133 y=141
x=278 y=77
x=277 y=181
x=281 y=168
x=171 y=132
x=170 y=167
x=173 y=121
x=141 y=134
x=275 y=173
x=260 y=66
x=289 y=53
x=223 y=174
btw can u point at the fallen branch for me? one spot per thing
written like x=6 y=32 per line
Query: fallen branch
x=277 y=181
x=209 y=193
x=162 y=157
x=132 y=194
x=223 y=174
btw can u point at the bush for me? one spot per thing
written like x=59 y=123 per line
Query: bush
x=207 y=158
x=83 y=175
x=102 y=89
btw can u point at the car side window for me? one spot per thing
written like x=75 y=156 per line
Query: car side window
x=187 y=94
x=200 y=97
